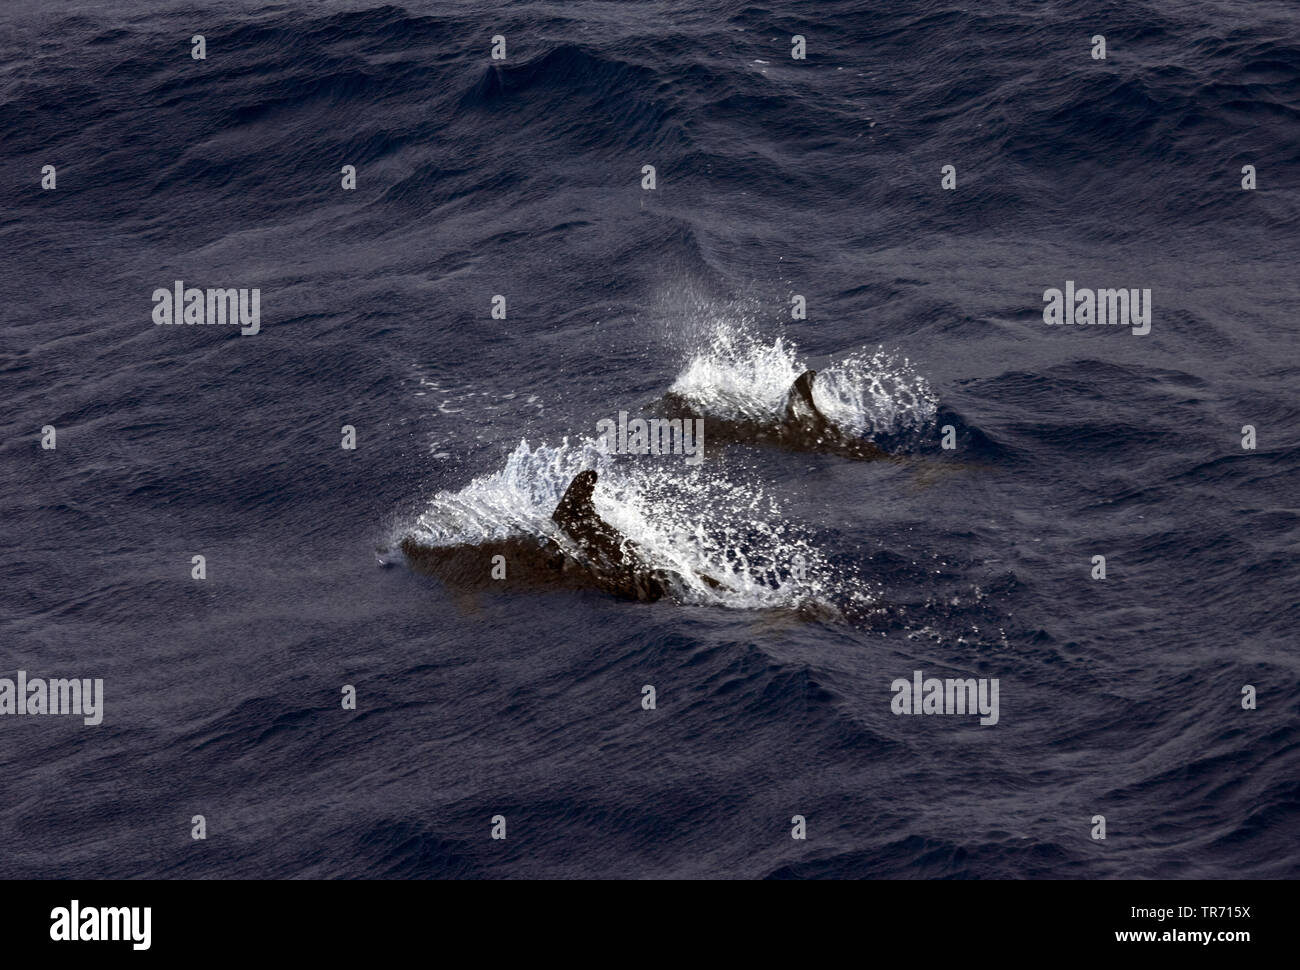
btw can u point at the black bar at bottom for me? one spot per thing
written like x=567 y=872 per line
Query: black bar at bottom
x=916 y=920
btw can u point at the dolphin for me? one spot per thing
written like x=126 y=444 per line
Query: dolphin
x=597 y=556
x=806 y=428
x=801 y=427
x=613 y=559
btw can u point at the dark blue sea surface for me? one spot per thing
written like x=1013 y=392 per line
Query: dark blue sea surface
x=775 y=177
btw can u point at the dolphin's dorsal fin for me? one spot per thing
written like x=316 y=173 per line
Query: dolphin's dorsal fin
x=799 y=405
x=576 y=508
x=578 y=519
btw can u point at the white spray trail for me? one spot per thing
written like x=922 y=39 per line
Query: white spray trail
x=737 y=376
x=690 y=523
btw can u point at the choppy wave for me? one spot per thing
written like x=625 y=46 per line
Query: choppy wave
x=522 y=178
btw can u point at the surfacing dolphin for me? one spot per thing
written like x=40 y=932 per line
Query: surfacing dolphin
x=599 y=557
x=613 y=559
x=802 y=426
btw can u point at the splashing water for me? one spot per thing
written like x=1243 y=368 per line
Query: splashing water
x=738 y=376
x=692 y=524
x=879 y=394
x=515 y=501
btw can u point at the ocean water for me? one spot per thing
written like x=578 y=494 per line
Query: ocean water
x=775 y=177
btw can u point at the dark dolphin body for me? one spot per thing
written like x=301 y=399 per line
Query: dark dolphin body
x=530 y=561
x=613 y=559
x=802 y=428
x=601 y=557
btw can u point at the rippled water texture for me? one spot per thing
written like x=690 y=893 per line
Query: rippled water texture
x=775 y=179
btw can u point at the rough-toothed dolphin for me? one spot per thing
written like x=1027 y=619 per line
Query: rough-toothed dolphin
x=599 y=558
x=802 y=427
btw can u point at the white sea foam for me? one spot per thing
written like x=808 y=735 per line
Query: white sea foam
x=691 y=523
x=875 y=394
x=738 y=376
